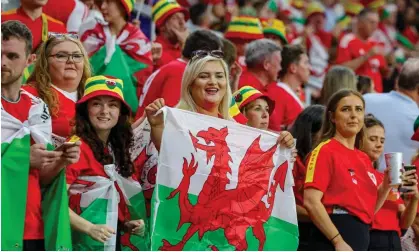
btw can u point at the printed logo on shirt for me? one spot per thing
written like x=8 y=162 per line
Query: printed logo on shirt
x=373 y=178
x=352 y=173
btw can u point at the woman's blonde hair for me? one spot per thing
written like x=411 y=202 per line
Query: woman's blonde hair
x=41 y=79
x=337 y=78
x=193 y=69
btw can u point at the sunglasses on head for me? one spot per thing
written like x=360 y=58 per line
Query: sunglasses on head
x=58 y=35
x=203 y=53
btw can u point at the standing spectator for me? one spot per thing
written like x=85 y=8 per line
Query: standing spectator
x=26 y=164
x=166 y=82
x=306 y=130
x=337 y=78
x=118 y=48
x=360 y=54
x=170 y=19
x=410 y=31
x=364 y=85
x=71 y=12
x=31 y=14
x=263 y=60
x=394 y=216
x=295 y=71
x=341 y=193
x=60 y=73
x=241 y=31
x=397 y=111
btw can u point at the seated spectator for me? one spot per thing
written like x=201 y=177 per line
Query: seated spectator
x=397 y=111
x=118 y=48
x=166 y=82
x=360 y=54
x=171 y=29
x=31 y=14
x=394 y=215
x=337 y=78
x=59 y=77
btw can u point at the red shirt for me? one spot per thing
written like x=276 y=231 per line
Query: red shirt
x=35 y=26
x=387 y=218
x=299 y=174
x=62 y=122
x=89 y=166
x=164 y=83
x=249 y=79
x=351 y=47
x=287 y=106
x=346 y=178
x=170 y=52
x=34 y=225
x=60 y=10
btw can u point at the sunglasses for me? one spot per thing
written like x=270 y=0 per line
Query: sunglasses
x=58 y=35
x=203 y=53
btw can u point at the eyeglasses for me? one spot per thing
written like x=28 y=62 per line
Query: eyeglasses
x=58 y=35
x=203 y=53
x=64 y=57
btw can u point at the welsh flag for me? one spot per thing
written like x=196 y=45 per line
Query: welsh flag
x=15 y=148
x=221 y=186
x=96 y=198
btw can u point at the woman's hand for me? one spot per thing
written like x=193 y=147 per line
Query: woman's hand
x=410 y=183
x=152 y=109
x=40 y=157
x=135 y=227
x=387 y=179
x=285 y=138
x=341 y=245
x=72 y=154
x=100 y=233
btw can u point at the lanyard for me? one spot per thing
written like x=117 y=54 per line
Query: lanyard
x=44 y=27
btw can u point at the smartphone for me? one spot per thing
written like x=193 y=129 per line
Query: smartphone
x=65 y=146
x=406 y=169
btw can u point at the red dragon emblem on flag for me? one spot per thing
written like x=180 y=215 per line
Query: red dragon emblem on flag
x=249 y=205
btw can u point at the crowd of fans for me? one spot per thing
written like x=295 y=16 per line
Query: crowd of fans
x=341 y=77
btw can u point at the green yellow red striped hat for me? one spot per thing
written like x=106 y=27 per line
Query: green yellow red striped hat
x=248 y=94
x=352 y=8
x=164 y=9
x=276 y=27
x=314 y=8
x=128 y=5
x=103 y=85
x=244 y=28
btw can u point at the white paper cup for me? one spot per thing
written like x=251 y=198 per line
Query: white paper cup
x=394 y=160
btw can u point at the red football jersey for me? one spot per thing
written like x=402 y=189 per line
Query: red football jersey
x=170 y=52
x=346 y=178
x=299 y=174
x=35 y=26
x=351 y=47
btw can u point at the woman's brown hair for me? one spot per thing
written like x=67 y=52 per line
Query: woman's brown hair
x=41 y=79
x=328 y=130
x=120 y=139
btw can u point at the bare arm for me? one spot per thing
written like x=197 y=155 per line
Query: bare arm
x=302 y=214
x=382 y=196
x=156 y=121
x=320 y=218
x=355 y=63
x=408 y=213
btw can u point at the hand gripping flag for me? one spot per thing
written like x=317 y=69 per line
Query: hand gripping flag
x=15 y=153
x=96 y=198
x=221 y=186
